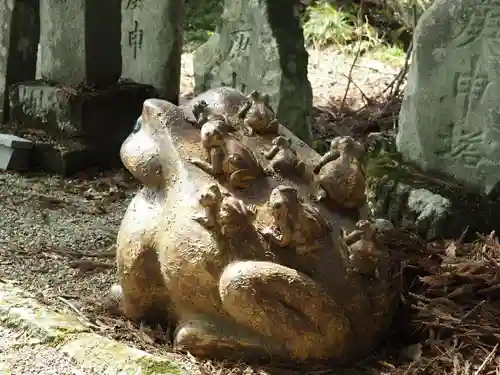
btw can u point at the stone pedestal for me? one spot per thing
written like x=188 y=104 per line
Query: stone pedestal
x=80 y=41
x=260 y=46
x=76 y=129
x=19 y=35
x=77 y=114
x=14 y=152
x=152 y=44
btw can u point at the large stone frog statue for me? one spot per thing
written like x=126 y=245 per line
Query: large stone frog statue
x=232 y=292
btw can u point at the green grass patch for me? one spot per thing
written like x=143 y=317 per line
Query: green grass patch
x=202 y=17
x=324 y=25
x=389 y=54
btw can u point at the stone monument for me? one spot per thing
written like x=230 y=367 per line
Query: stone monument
x=450 y=119
x=151 y=42
x=18 y=46
x=229 y=242
x=78 y=112
x=260 y=45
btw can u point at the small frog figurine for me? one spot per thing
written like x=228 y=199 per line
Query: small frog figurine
x=258 y=115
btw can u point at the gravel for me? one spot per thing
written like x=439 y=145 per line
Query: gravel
x=49 y=224
x=23 y=355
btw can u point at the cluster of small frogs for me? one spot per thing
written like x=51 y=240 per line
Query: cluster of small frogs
x=340 y=177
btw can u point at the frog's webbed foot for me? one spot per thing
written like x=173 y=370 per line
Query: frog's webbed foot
x=248 y=131
x=113 y=301
x=269 y=170
x=269 y=233
x=206 y=337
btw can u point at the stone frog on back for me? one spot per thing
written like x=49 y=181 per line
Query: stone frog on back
x=223 y=301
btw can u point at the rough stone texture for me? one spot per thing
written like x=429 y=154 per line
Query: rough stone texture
x=152 y=44
x=81 y=128
x=14 y=152
x=19 y=37
x=38 y=74
x=405 y=206
x=80 y=41
x=434 y=212
x=450 y=121
x=68 y=336
x=402 y=10
x=260 y=46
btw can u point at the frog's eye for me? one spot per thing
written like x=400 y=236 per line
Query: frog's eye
x=137 y=126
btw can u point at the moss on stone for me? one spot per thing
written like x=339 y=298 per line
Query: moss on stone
x=101 y=352
x=18 y=310
x=73 y=339
x=152 y=366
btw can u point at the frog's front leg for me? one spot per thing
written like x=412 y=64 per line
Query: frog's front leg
x=300 y=168
x=202 y=119
x=271 y=153
x=280 y=239
x=206 y=220
x=243 y=111
x=214 y=168
x=273 y=126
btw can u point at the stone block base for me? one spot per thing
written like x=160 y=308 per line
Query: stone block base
x=14 y=152
x=63 y=158
x=79 y=128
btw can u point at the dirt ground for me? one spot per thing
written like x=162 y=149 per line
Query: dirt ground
x=57 y=235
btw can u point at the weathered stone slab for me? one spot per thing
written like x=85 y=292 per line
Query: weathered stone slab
x=260 y=46
x=13 y=141
x=81 y=128
x=14 y=152
x=80 y=41
x=19 y=37
x=17 y=309
x=450 y=121
x=74 y=339
x=152 y=44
